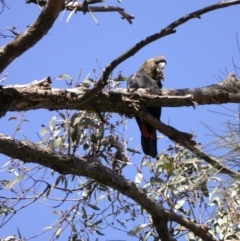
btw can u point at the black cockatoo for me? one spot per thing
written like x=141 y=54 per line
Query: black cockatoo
x=149 y=76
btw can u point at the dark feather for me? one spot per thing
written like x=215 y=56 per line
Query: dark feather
x=149 y=77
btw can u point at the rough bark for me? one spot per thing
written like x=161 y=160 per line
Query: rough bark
x=40 y=95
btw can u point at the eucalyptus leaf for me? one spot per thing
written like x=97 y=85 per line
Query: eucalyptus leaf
x=137 y=229
x=51 y=122
x=93 y=16
x=138 y=178
x=93 y=206
x=98 y=232
x=147 y=235
x=179 y=204
x=59 y=230
x=64 y=77
x=133 y=150
x=189 y=161
x=156 y=180
x=62 y=115
x=70 y=14
x=43 y=131
x=56 y=143
x=84 y=214
x=74 y=135
x=14 y=181
x=87 y=83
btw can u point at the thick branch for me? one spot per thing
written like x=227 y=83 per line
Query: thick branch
x=29 y=152
x=164 y=32
x=31 y=35
x=40 y=94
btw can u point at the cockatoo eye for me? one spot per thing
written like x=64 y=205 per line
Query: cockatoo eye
x=161 y=65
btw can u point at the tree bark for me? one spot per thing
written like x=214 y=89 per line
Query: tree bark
x=40 y=95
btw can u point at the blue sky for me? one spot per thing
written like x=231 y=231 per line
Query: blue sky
x=196 y=54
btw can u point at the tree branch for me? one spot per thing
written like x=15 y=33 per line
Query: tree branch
x=40 y=94
x=31 y=35
x=170 y=29
x=185 y=139
x=78 y=7
x=196 y=229
x=32 y=153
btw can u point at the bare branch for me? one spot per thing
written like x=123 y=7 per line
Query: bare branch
x=78 y=7
x=31 y=35
x=32 y=153
x=3 y=5
x=212 y=161
x=197 y=230
x=164 y=32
